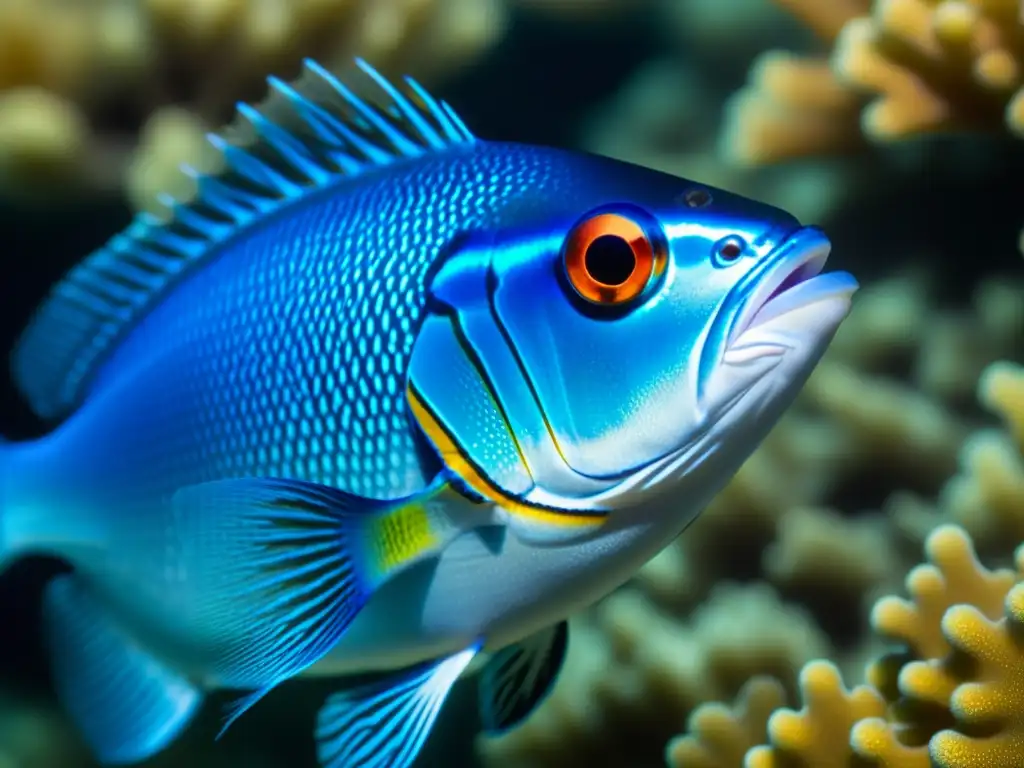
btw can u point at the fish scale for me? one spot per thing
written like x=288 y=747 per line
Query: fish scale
x=381 y=397
x=304 y=329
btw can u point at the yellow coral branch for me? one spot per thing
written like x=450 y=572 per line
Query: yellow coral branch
x=987 y=495
x=1001 y=390
x=914 y=66
x=952 y=576
x=792 y=106
x=136 y=58
x=817 y=735
x=960 y=684
x=720 y=735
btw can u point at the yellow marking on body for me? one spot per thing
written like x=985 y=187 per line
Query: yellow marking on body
x=402 y=535
x=458 y=463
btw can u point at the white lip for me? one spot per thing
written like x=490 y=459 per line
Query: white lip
x=793 y=275
x=796 y=301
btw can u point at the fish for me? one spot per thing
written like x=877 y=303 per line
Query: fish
x=385 y=398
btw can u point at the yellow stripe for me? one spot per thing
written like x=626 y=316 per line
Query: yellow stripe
x=458 y=463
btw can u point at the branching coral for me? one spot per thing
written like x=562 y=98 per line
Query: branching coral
x=721 y=735
x=664 y=118
x=955 y=688
x=794 y=106
x=905 y=68
x=724 y=738
x=992 y=699
x=634 y=673
x=936 y=65
x=79 y=80
x=953 y=576
x=986 y=496
x=814 y=737
x=831 y=562
x=962 y=709
x=852 y=420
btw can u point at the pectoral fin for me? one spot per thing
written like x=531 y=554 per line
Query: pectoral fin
x=126 y=703
x=516 y=679
x=280 y=568
x=385 y=725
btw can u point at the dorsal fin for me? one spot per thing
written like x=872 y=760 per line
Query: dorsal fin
x=307 y=135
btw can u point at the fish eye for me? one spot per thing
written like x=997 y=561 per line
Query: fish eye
x=610 y=259
x=730 y=248
x=697 y=198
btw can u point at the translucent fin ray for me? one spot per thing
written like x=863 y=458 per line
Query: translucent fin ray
x=384 y=725
x=126 y=703
x=281 y=563
x=518 y=678
x=305 y=136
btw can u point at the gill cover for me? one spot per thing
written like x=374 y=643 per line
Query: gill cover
x=487 y=404
x=468 y=393
x=558 y=362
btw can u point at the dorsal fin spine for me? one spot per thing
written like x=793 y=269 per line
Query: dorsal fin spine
x=401 y=144
x=319 y=122
x=293 y=150
x=402 y=107
x=432 y=106
x=253 y=169
x=114 y=287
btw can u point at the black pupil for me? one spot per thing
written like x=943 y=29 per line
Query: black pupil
x=610 y=260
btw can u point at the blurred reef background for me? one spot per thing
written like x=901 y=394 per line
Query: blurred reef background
x=792 y=626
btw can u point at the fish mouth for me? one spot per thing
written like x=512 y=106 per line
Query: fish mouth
x=794 y=281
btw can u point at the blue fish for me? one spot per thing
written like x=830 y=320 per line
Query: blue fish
x=385 y=397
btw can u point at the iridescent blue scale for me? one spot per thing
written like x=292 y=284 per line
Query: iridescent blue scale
x=380 y=396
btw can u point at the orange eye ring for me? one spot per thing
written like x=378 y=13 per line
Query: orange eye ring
x=609 y=259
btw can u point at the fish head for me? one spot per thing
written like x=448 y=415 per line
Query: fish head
x=591 y=360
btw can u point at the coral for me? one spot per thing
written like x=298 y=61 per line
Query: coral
x=79 y=81
x=963 y=709
x=992 y=701
x=829 y=561
x=953 y=576
x=816 y=736
x=936 y=65
x=855 y=421
x=986 y=495
x=665 y=117
x=899 y=68
x=634 y=673
x=1002 y=391
x=722 y=736
x=793 y=105
x=41 y=135
x=892 y=424
x=951 y=697
x=897 y=323
x=957 y=347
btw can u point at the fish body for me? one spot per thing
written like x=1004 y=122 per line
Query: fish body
x=383 y=397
